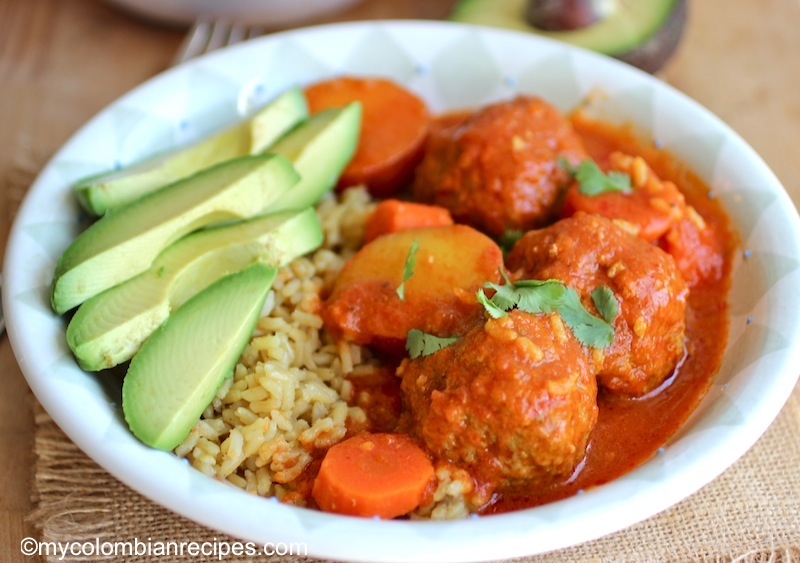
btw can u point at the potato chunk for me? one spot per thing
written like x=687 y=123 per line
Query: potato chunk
x=452 y=263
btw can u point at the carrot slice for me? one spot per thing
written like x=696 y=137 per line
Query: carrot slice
x=384 y=475
x=394 y=124
x=393 y=215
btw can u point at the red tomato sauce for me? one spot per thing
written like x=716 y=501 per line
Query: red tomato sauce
x=631 y=431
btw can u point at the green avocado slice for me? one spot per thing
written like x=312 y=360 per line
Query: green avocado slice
x=179 y=369
x=319 y=148
x=125 y=241
x=277 y=118
x=628 y=24
x=100 y=193
x=110 y=327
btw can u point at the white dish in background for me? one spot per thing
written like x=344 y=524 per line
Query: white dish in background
x=450 y=66
x=270 y=13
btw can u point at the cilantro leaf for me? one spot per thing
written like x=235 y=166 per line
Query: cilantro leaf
x=505 y=296
x=509 y=239
x=537 y=296
x=566 y=165
x=588 y=329
x=408 y=268
x=606 y=303
x=620 y=180
x=493 y=309
x=546 y=296
x=420 y=343
x=592 y=180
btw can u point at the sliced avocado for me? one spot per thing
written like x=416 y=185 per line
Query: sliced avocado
x=125 y=241
x=277 y=118
x=100 y=193
x=110 y=327
x=618 y=28
x=179 y=369
x=319 y=148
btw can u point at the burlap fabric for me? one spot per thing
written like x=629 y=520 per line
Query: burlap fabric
x=750 y=513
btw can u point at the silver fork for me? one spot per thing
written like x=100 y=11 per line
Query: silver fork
x=206 y=35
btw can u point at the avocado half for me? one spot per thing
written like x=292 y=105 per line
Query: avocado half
x=644 y=33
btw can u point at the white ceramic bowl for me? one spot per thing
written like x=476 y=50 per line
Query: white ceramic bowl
x=272 y=13
x=450 y=66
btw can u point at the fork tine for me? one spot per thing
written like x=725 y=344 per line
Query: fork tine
x=237 y=34
x=195 y=41
x=207 y=35
x=220 y=35
x=255 y=31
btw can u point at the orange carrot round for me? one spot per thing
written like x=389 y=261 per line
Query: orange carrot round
x=384 y=475
x=394 y=124
x=393 y=215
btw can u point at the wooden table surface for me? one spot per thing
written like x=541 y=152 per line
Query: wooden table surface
x=61 y=61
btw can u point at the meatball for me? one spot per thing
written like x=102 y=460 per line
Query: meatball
x=498 y=169
x=513 y=400
x=586 y=251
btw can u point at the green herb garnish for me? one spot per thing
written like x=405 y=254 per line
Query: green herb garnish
x=420 y=343
x=509 y=239
x=494 y=310
x=607 y=305
x=546 y=296
x=408 y=268
x=592 y=180
x=588 y=329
